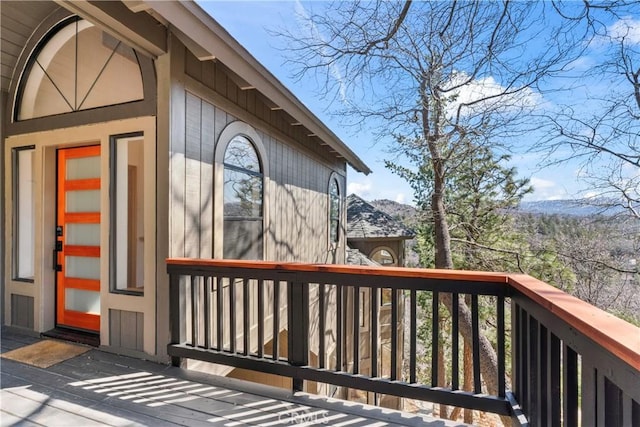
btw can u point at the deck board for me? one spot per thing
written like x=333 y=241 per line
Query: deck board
x=101 y=388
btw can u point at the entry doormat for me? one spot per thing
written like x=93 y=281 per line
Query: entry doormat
x=45 y=353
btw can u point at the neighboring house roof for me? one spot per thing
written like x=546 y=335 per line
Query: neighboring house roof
x=355 y=257
x=366 y=222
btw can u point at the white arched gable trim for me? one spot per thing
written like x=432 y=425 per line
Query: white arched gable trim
x=232 y=130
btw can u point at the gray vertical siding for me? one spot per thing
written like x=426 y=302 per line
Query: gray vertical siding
x=126 y=329
x=299 y=171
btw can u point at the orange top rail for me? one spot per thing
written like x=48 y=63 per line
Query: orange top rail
x=615 y=335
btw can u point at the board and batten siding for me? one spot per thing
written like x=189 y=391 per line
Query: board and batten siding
x=296 y=199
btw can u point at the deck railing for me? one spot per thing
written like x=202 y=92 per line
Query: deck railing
x=571 y=364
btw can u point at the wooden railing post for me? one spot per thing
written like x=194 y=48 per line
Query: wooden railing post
x=177 y=322
x=298 y=319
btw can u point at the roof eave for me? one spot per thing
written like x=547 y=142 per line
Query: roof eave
x=213 y=41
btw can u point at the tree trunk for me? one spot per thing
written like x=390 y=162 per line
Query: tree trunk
x=468 y=378
x=488 y=359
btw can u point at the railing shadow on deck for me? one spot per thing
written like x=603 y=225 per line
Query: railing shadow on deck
x=571 y=363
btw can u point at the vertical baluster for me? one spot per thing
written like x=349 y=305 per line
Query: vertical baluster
x=232 y=314
x=298 y=321
x=516 y=350
x=455 y=344
x=435 y=336
x=413 y=331
x=207 y=311
x=338 y=327
x=394 y=334
x=246 y=324
x=570 y=386
x=374 y=331
x=591 y=394
x=501 y=348
x=524 y=373
x=260 y=318
x=321 y=326
x=276 y=318
x=356 y=329
x=534 y=386
x=194 y=311
x=475 y=326
x=220 y=313
x=543 y=379
x=627 y=414
x=555 y=397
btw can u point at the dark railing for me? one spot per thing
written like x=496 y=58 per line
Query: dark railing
x=570 y=363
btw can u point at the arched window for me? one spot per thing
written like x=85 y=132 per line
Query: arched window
x=243 y=200
x=334 y=211
x=77 y=67
x=384 y=256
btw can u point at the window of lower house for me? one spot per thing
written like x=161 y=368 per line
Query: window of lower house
x=334 y=212
x=383 y=257
x=23 y=214
x=127 y=223
x=243 y=201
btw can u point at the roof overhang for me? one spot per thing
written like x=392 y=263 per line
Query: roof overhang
x=144 y=25
x=207 y=39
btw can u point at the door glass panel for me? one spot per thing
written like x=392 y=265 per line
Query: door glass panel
x=83 y=168
x=81 y=267
x=83 y=234
x=83 y=301
x=127 y=213
x=82 y=201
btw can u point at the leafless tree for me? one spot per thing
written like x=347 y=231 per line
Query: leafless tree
x=430 y=76
x=602 y=128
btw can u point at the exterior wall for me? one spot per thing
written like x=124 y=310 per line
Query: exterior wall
x=204 y=101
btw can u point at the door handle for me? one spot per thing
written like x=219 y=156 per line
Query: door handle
x=58 y=248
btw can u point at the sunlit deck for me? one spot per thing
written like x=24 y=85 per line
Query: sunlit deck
x=99 y=388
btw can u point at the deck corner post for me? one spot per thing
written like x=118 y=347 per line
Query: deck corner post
x=177 y=301
x=298 y=319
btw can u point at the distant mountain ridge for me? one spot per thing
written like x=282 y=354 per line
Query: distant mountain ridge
x=566 y=207
x=570 y=207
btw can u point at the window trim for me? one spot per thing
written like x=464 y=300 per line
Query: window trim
x=32 y=62
x=136 y=109
x=16 y=215
x=334 y=244
x=113 y=140
x=233 y=129
x=388 y=249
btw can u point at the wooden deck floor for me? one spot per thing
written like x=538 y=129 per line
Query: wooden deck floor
x=99 y=388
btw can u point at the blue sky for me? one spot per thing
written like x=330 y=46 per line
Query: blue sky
x=249 y=22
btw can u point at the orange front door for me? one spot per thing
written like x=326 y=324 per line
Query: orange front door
x=78 y=238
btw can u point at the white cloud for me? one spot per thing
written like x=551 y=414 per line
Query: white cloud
x=362 y=188
x=544 y=189
x=400 y=198
x=627 y=28
x=491 y=94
